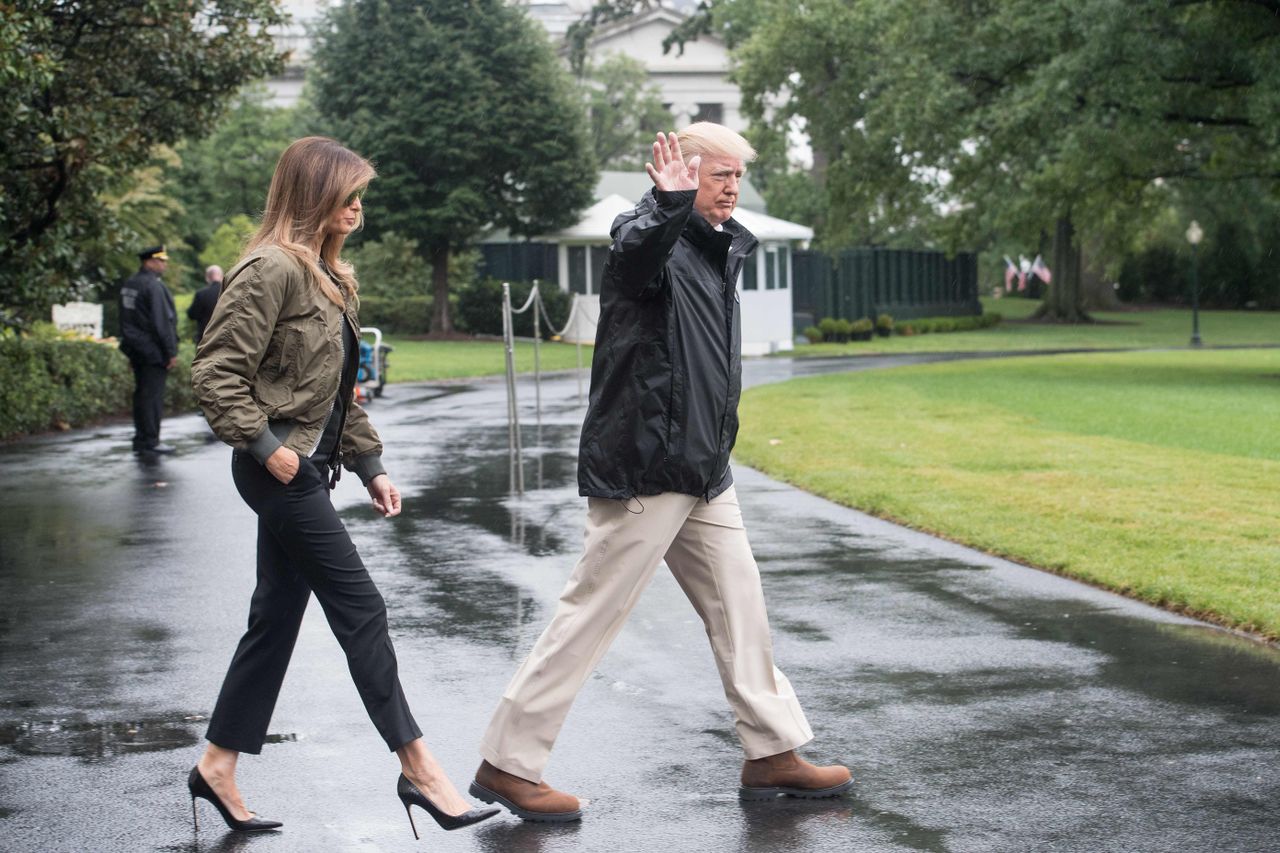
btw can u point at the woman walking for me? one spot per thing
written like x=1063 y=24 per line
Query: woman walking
x=275 y=376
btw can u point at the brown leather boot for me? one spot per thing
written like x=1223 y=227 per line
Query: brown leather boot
x=787 y=774
x=536 y=802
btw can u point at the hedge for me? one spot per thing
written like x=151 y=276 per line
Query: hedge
x=51 y=382
x=403 y=315
x=480 y=308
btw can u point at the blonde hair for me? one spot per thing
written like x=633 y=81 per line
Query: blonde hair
x=709 y=139
x=313 y=177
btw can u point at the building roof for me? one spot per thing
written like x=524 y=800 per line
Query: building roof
x=595 y=222
x=633 y=185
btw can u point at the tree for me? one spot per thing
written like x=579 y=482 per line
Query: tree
x=985 y=120
x=87 y=91
x=468 y=115
x=227 y=242
x=227 y=173
x=625 y=111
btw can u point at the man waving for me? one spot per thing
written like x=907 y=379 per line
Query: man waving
x=654 y=463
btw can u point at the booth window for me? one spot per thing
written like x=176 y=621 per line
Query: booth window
x=599 y=254
x=749 y=280
x=577 y=269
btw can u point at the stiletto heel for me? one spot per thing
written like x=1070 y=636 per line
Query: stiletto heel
x=200 y=788
x=411 y=796
x=412 y=825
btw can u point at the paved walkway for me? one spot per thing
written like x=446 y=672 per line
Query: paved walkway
x=982 y=705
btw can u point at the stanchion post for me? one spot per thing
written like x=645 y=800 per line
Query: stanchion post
x=537 y=353
x=513 y=413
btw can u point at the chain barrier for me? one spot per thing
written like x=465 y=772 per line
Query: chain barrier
x=536 y=303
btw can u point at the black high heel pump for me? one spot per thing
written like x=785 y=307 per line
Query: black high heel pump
x=411 y=796
x=200 y=788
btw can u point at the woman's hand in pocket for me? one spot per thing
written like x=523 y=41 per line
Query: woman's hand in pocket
x=283 y=464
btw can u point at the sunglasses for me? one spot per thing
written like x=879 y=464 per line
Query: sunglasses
x=358 y=194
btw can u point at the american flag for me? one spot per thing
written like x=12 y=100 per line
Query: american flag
x=1041 y=271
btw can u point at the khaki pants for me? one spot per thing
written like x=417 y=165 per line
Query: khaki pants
x=705 y=546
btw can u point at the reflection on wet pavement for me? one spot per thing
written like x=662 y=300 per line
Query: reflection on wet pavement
x=982 y=705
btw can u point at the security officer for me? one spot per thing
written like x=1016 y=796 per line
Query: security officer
x=149 y=337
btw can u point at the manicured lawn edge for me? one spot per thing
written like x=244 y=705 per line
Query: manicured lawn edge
x=1169 y=514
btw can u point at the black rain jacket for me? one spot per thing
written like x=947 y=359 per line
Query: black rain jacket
x=148 y=320
x=667 y=370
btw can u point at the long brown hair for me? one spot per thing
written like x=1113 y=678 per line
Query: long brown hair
x=313 y=178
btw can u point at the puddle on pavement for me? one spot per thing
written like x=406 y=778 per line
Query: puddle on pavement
x=93 y=740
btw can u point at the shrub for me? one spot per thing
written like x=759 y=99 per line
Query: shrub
x=813 y=334
x=861 y=325
x=905 y=329
x=405 y=315
x=480 y=308
x=56 y=381
x=884 y=325
x=227 y=242
x=391 y=268
x=842 y=329
x=827 y=326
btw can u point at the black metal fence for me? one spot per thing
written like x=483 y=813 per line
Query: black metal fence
x=868 y=282
x=519 y=261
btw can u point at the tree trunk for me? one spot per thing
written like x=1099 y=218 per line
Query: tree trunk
x=441 y=322
x=1064 y=301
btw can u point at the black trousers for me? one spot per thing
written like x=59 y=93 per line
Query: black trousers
x=148 y=403
x=303 y=548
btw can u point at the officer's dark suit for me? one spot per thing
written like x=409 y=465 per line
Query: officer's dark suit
x=149 y=337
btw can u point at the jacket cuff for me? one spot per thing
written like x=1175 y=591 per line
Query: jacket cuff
x=367 y=466
x=264 y=445
x=674 y=198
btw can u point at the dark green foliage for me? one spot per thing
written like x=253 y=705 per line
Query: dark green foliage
x=480 y=308
x=227 y=173
x=51 y=382
x=884 y=325
x=88 y=90
x=813 y=334
x=468 y=115
x=1156 y=274
x=400 y=315
x=390 y=268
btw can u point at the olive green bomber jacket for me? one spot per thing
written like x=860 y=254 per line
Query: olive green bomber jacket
x=271 y=356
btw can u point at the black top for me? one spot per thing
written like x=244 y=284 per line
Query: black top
x=202 y=305
x=667 y=369
x=326 y=452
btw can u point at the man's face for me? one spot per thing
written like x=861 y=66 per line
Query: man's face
x=156 y=265
x=718 y=179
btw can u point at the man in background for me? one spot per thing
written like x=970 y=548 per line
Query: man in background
x=201 y=308
x=149 y=337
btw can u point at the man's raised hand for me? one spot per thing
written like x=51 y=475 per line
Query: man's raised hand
x=668 y=169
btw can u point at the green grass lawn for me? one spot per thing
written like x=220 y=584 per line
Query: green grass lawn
x=418 y=360
x=1163 y=327
x=1153 y=474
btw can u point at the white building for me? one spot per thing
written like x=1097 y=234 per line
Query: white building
x=694 y=84
x=764 y=286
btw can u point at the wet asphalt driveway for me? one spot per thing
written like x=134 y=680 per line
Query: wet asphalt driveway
x=981 y=705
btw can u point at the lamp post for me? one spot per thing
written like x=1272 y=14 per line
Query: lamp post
x=1194 y=235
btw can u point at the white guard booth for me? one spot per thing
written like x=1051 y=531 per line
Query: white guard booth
x=764 y=286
